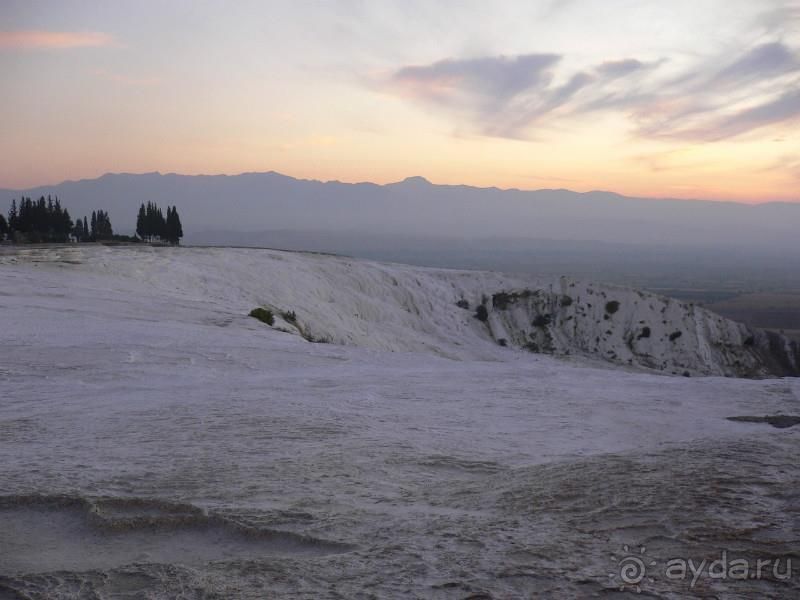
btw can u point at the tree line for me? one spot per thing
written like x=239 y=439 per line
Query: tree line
x=44 y=220
x=150 y=223
x=100 y=228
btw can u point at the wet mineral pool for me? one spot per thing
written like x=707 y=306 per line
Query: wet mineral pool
x=40 y=534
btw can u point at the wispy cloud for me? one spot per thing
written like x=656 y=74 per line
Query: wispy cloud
x=778 y=110
x=503 y=95
x=516 y=123
x=53 y=40
x=488 y=80
x=513 y=96
x=754 y=89
x=766 y=60
x=781 y=19
x=620 y=68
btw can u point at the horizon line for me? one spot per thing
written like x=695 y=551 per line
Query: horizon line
x=407 y=179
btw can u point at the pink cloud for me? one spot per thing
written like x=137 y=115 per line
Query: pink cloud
x=57 y=40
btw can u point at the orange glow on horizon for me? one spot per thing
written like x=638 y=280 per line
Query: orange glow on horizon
x=536 y=101
x=53 y=39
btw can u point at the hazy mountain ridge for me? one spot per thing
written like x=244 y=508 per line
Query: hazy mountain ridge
x=267 y=201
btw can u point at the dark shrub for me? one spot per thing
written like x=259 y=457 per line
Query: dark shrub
x=463 y=304
x=289 y=316
x=503 y=342
x=675 y=335
x=316 y=340
x=481 y=313
x=541 y=321
x=263 y=315
x=501 y=300
x=612 y=306
x=566 y=301
x=645 y=333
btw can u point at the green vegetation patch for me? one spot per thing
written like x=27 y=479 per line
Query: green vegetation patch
x=263 y=315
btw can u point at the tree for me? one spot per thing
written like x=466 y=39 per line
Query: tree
x=106 y=230
x=60 y=223
x=77 y=231
x=141 y=227
x=41 y=221
x=161 y=224
x=178 y=225
x=45 y=220
x=101 y=226
x=173 y=229
x=66 y=224
x=12 y=215
x=150 y=223
x=170 y=226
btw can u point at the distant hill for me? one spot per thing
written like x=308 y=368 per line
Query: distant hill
x=255 y=202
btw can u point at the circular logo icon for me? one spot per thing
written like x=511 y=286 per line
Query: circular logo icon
x=632 y=569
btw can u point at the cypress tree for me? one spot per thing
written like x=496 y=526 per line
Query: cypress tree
x=49 y=219
x=171 y=229
x=77 y=231
x=140 y=222
x=149 y=223
x=65 y=225
x=161 y=224
x=177 y=228
x=169 y=225
x=107 y=230
x=12 y=215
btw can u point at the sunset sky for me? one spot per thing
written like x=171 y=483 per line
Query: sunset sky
x=687 y=99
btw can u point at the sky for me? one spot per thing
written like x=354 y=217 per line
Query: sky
x=685 y=99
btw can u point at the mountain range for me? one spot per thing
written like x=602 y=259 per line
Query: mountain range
x=254 y=202
x=664 y=244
